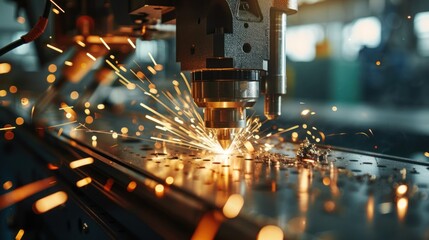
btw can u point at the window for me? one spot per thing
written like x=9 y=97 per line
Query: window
x=301 y=42
x=360 y=33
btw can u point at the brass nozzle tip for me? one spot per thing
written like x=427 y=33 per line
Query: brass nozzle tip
x=225 y=137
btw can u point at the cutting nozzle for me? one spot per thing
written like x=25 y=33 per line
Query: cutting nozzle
x=225 y=137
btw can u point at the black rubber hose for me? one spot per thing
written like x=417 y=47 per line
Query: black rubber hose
x=33 y=34
x=11 y=46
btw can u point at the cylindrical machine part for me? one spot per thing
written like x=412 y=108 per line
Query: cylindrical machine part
x=275 y=85
x=225 y=94
x=225 y=117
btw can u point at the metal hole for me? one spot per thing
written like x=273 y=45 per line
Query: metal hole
x=247 y=48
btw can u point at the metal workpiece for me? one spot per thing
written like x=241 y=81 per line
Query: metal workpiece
x=344 y=193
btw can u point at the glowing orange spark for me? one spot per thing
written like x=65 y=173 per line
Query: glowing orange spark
x=270 y=232
x=104 y=43
x=54 y=48
x=91 y=56
x=7 y=185
x=56 y=5
x=80 y=43
x=5 y=68
x=131 y=186
x=81 y=162
x=83 y=182
x=131 y=43
x=233 y=206
x=25 y=191
x=7 y=128
x=49 y=202
x=20 y=234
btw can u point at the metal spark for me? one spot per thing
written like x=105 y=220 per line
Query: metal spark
x=91 y=56
x=131 y=43
x=49 y=202
x=56 y=5
x=104 y=43
x=61 y=124
x=54 y=48
x=7 y=128
x=151 y=58
x=25 y=191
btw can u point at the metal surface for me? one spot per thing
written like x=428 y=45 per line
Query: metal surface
x=349 y=194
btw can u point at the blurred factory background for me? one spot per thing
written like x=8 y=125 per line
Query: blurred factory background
x=358 y=70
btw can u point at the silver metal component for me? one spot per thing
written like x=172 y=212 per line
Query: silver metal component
x=225 y=94
x=275 y=85
x=227 y=43
x=225 y=117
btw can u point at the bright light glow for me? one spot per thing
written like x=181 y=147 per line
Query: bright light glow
x=401 y=207
x=25 y=191
x=131 y=43
x=20 y=234
x=52 y=68
x=169 y=180
x=5 y=68
x=47 y=203
x=233 y=206
x=50 y=78
x=83 y=182
x=401 y=190
x=74 y=95
x=159 y=190
x=19 y=121
x=13 y=89
x=270 y=232
x=89 y=120
x=80 y=43
x=360 y=33
x=57 y=6
x=24 y=101
x=131 y=186
x=81 y=162
x=124 y=130
x=305 y=112
x=7 y=185
x=301 y=42
x=370 y=209
x=91 y=56
x=104 y=43
x=421 y=28
x=54 y=48
x=326 y=181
